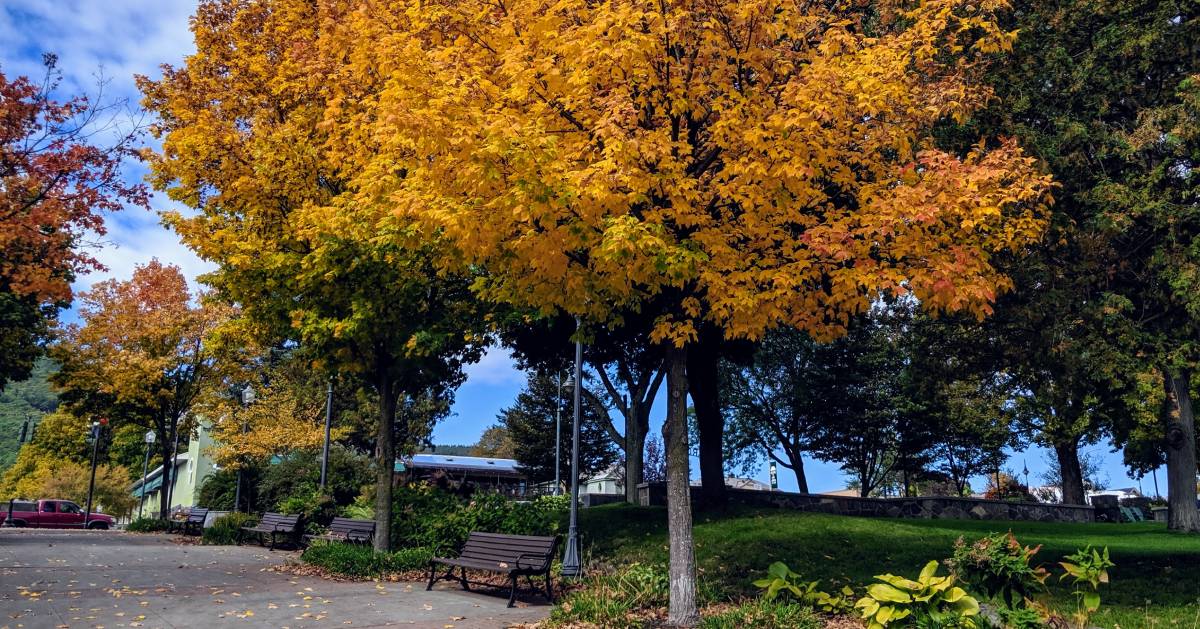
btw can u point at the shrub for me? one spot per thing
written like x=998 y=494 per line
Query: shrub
x=997 y=566
x=226 y=529
x=428 y=517
x=765 y=614
x=1087 y=568
x=611 y=600
x=316 y=509
x=356 y=560
x=930 y=601
x=147 y=525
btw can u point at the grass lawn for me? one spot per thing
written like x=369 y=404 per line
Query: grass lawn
x=1156 y=582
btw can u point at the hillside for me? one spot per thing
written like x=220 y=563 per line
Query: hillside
x=31 y=399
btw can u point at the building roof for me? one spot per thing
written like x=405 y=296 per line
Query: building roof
x=153 y=480
x=455 y=463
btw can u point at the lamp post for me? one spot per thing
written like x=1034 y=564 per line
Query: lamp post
x=247 y=400
x=150 y=436
x=558 y=436
x=96 y=426
x=570 y=565
x=1025 y=470
x=328 y=419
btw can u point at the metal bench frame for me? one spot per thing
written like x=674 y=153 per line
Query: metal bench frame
x=349 y=530
x=512 y=555
x=196 y=517
x=275 y=524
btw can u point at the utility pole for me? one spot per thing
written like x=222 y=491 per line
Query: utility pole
x=87 y=512
x=328 y=419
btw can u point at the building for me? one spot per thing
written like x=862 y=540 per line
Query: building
x=192 y=468
x=454 y=471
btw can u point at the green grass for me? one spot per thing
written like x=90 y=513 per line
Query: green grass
x=1156 y=582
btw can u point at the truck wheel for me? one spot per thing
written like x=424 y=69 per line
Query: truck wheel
x=97 y=526
x=18 y=524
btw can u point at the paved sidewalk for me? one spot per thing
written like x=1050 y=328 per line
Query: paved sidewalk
x=73 y=579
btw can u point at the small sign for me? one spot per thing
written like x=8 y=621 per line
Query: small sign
x=774 y=477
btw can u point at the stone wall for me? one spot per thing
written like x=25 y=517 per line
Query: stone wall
x=924 y=507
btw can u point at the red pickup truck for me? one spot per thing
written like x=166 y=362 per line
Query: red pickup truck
x=50 y=514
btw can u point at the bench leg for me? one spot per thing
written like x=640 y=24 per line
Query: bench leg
x=512 y=593
x=463 y=579
x=432 y=573
x=549 y=588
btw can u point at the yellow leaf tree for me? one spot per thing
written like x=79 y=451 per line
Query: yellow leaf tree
x=750 y=163
x=139 y=355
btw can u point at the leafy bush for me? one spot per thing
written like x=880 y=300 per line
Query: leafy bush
x=316 y=509
x=1087 y=568
x=356 y=560
x=226 y=529
x=930 y=601
x=997 y=566
x=427 y=517
x=147 y=525
x=765 y=614
x=781 y=579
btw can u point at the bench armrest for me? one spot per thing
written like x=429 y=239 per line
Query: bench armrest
x=543 y=559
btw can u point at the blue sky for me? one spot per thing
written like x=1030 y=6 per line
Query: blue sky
x=120 y=38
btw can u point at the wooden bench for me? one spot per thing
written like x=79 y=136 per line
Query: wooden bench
x=511 y=555
x=347 y=530
x=195 y=518
x=274 y=524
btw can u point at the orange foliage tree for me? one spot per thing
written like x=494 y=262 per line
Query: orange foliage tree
x=750 y=164
x=55 y=185
x=140 y=354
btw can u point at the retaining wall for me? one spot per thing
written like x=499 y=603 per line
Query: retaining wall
x=929 y=507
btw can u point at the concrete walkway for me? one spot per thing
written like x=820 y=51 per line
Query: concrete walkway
x=56 y=579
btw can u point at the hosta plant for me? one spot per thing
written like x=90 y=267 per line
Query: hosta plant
x=929 y=602
x=781 y=579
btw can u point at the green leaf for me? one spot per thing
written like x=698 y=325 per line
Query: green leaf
x=1091 y=601
x=778 y=570
x=928 y=571
x=884 y=592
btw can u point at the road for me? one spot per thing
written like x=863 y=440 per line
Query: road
x=56 y=579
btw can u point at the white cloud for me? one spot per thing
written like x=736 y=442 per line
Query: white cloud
x=495 y=368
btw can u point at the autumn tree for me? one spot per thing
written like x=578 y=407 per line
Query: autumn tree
x=56 y=183
x=139 y=354
x=752 y=164
x=251 y=141
x=496 y=441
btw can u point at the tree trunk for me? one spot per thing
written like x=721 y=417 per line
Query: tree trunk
x=1070 y=473
x=682 y=608
x=167 y=475
x=635 y=445
x=703 y=383
x=385 y=462
x=796 y=461
x=1181 y=454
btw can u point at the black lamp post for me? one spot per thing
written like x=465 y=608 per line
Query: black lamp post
x=328 y=419
x=247 y=400
x=96 y=426
x=150 y=436
x=571 y=565
x=558 y=437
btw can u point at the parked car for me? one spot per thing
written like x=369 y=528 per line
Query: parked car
x=51 y=514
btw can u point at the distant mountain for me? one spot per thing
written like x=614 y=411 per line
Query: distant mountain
x=20 y=401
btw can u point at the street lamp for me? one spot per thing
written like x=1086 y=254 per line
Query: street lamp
x=247 y=400
x=328 y=419
x=150 y=436
x=558 y=436
x=1025 y=470
x=570 y=565
x=96 y=426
